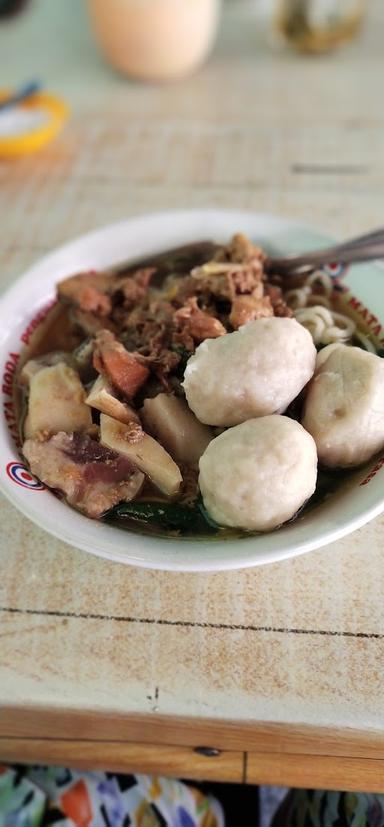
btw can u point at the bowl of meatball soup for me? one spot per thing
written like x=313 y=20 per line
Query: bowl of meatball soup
x=169 y=401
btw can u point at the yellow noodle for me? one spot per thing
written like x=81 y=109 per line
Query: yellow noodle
x=316 y=298
x=297 y=298
x=320 y=278
x=325 y=325
x=312 y=307
x=310 y=319
x=365 y=341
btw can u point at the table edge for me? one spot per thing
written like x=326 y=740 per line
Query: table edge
x=28 y=721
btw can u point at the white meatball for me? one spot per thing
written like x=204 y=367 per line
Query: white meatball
x=257 y=475
x=344 y=408
x=255 y=371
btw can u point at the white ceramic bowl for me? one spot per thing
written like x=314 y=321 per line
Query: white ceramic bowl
x=359 y=501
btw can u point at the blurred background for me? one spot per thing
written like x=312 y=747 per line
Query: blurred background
x=268 y=105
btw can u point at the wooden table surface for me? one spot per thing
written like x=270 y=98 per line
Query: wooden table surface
x=280 y=669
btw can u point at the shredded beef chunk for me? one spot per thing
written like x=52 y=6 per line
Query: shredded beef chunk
x=92 y=301
x=133 y=289
x=246 y=308
x=248 y=278
x=211 y=279
x=196 y=325
x=240 y=250
x=88 y=291
x=280 y=307
x=90 y=323
x=91 y=477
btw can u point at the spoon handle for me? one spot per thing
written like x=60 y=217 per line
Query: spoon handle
x=364 y=248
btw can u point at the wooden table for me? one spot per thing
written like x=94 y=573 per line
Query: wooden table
x=279 y=670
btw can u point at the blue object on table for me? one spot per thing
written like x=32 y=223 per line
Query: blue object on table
x=21 y=94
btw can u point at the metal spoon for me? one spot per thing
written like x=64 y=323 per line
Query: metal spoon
x=362 y=248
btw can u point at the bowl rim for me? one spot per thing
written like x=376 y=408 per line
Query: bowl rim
x=192 y=555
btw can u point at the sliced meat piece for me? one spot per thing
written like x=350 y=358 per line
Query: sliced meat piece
x=240 y=249
x=89 y=323
x=88 y=291
x=224 y=279
x=149 y=333
x=102 y=398
x=164 y=363
x=274 y=292
x=182 y=339
x=150 y=340
x=280 y=307
x=196 y=323
x=121 y=368
x=92 y=478
x=93 y=301
x=56 y=402
x=245 y=264
x=212 y=278
x=169 y=419
x=147 y=454
x=246 y=308
x=248 y=279
x=134 y=288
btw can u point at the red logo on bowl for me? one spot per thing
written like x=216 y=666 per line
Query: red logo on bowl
x=336 y=270
x=372 y=473
x=19 y=474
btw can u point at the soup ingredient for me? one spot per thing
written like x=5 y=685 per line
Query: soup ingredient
x=324 y=325
x=313 y=308
x=257 y=475
x=83 y=356
x=34 y=365
x=56 y=402
x=88 y=291
x=102 y=398
x=235 y=285
x=249 y=307
x=344 y=408
x=196 y=325
x=91 y=477
x=169 y=420
x=147 y=454
x=166 y=515
x=121 y=368
x=255 y=371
